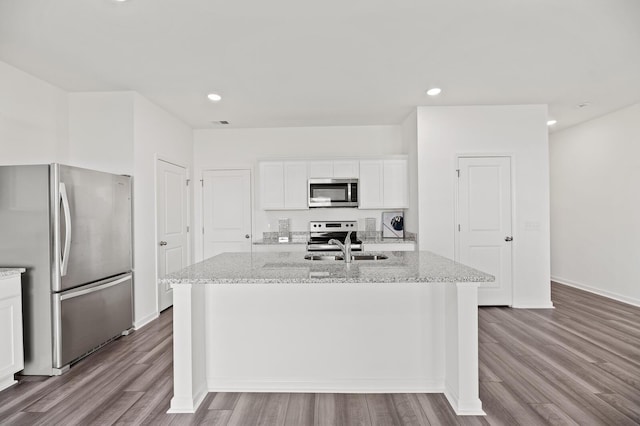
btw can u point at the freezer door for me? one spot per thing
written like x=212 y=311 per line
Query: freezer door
x=88 y=316
x=92 y=221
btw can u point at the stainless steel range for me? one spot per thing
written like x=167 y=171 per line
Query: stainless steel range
x=321 y=232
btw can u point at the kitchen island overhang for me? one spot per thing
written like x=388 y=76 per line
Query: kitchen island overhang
x=275 y=322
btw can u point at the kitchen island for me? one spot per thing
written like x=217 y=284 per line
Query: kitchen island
x=277 y=322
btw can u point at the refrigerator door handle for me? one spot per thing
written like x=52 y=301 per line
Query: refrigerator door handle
x=64 y=261
x=92 y=289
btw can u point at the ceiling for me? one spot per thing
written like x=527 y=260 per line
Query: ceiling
x=283 y=63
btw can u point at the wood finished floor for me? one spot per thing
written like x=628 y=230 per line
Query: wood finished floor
x=576 y=364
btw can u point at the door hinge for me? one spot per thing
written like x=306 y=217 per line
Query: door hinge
x=202 y=182
x=188 y=180
x=458 y=172
x=458 y=227
x=203 y=229
x=187 y=229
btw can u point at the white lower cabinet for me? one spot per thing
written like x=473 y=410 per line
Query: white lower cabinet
x=11 y=350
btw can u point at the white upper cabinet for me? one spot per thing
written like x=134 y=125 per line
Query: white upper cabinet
x=333 y=169
x=320 y=169
x=346 y=169
x=395 y=184
x=383 y=184
x=272 y=185
x=283 y=185
x=371 y=185
x=295 y=185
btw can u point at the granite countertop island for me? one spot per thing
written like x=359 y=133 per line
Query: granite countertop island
x=285 y=267
x=277 y=322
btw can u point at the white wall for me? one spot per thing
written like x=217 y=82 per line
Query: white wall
x=595 y=205
x=101 y=131
x=410 y=146
x=33 y=119
x=443 y=133
x=122 y=132
x=157 y=134
x=242 y=148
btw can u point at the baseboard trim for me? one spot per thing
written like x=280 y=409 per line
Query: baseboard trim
x=187 y=405
x=468 y=408
x=137 y=325
x=608 y=294
x=224 y=384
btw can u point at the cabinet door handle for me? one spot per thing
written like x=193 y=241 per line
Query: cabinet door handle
x=163 y=243
x=508 y=239
x=247 y=236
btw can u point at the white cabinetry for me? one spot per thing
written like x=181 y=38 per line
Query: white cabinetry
x=395 y=183
x=333 y=169
x=283 y=185
x=320 y=169
x=346 y=169
x=383 y=184
x=295 y=185
x=272 y=185
x=11 y=352
x=371 y=185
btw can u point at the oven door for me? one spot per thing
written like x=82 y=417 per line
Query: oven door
x=333 y=193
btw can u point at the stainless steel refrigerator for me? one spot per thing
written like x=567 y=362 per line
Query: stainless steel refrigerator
x=71 y=229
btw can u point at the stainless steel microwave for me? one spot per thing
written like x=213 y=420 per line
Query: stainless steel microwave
x=333 y=192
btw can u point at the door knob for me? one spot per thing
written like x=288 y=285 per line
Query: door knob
x=163 y=243
x=508 y=239
x=247 y=236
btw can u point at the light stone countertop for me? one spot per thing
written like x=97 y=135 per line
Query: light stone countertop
x=276 y=243
x=7 y=272
x=287 y=267
x=379 y=240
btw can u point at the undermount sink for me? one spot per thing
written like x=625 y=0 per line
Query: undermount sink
x=323 y=257
x=353 y=257
x=368 y=257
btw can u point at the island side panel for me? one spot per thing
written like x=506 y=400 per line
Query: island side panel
x=461 y=348
x=189 y=358
x=325 y=337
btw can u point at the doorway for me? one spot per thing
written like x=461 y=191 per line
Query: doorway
x=172 y=226
x=226 y=204
x=484 y=227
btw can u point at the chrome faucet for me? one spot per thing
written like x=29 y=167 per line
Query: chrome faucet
x=346 y=247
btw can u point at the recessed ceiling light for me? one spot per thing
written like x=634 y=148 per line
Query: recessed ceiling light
x=551 y=122
x=583 y=104
x=434 y=91
x=214 y=97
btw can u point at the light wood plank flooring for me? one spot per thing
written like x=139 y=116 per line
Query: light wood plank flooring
x=576 y=364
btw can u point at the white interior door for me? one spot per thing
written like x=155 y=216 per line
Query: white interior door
x=484 y=230
x=226 y=199
x=172 y=231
